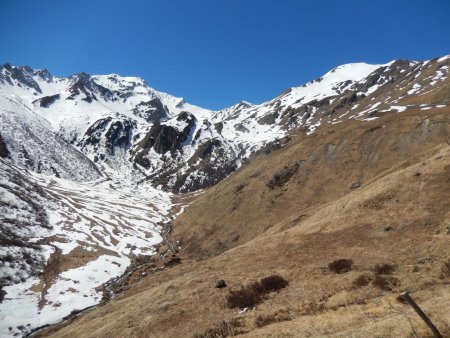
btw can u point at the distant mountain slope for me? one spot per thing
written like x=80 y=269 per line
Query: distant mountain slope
x=278 y=190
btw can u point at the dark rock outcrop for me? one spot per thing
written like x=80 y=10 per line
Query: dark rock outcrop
x=4 y=151
x=115 y=133
x=47 y=101
x=83 y=83
x=240 y=127
x=118 y=135
x=269 y=118
x=152 y=111
x=23 y=75
x=219 y=127
x=163 y=138
x=94 y=133
x=206 y=149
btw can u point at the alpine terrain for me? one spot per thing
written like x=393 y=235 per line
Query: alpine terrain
x=128 y=212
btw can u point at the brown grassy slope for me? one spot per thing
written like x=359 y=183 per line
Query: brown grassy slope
x=405 y=171
x=243 y=206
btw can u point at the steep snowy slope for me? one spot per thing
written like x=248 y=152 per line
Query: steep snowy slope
x=31 y=143
x=22 y=217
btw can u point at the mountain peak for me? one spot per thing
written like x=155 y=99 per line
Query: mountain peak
x=81 y=77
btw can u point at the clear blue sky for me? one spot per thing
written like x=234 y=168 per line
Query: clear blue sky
x=217 y=52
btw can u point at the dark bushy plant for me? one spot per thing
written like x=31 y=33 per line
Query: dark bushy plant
x=341 y=265
x=254 y=293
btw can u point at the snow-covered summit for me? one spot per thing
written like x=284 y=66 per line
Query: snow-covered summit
x=334 y=82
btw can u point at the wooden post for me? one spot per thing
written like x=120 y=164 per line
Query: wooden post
x=407 y=297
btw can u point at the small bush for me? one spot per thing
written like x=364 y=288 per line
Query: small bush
x=246 y=296
x=273 y=283
x=341 y=265
x=386 y=283
x=240 y=187
x=362 y=280
x=383 y=269
x=263 y=320
x=2 y=294
x=254 y=293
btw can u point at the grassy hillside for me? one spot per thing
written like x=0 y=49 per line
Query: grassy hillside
x=283 y=189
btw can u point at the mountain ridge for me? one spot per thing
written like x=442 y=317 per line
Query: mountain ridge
x=115 y=114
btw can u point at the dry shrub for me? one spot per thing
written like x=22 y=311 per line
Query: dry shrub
x=2 y=294
x=383 y=269
x=362 y=280
x=254 y=293
x=386 y=283
x=246 y=296
x=226 y=328
x=341 y=265
x=311 y=308
x=240 y=187
x=273 y=283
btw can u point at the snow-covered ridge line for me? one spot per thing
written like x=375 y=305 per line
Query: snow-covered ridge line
x=131 y=130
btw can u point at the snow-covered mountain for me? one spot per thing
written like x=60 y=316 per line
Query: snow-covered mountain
x=89 y=164
x=130 y=130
